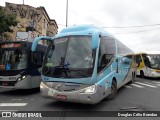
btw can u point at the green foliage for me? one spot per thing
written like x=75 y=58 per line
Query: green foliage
x=6 y=21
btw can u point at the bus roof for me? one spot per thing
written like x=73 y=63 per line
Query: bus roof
x=149 y=52
x=82 y=30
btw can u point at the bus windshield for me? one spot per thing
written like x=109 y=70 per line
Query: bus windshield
x=13 y=59
x=69 y=57
x=154 y=61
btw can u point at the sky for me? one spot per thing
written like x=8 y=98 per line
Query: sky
x=136 y=23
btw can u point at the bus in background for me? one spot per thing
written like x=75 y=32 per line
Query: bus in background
x=19 y=67
x=148 y=64
x=84 y=64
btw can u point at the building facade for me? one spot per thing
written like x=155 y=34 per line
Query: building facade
x=33 y=21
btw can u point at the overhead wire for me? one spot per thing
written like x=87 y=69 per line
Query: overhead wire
x=136 y=26
x=133 y=26
x=140 y=31
x=149 y=25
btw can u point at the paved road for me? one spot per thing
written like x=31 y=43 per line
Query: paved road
x=143 y=95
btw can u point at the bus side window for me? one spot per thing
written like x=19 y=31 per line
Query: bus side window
x=146 y=60
x=106 y=52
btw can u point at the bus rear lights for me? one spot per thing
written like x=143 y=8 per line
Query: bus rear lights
x=90 y=89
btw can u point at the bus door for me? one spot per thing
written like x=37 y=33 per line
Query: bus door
x=36 y=59
x=140 y=65
x=106 y=65
x=119 y=71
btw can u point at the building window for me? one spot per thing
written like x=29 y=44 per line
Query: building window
x=44 y=24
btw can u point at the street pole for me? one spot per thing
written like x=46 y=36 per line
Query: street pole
x=23 y=2
x=67 y=14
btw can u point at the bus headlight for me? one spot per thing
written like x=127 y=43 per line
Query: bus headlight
x=42 y=86
x=90 y=89
x=19 y=79
x=22 y=77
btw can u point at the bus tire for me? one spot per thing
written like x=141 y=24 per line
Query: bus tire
x=142 y=74
x=113 y=91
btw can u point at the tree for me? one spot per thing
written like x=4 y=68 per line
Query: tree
x=6 y=21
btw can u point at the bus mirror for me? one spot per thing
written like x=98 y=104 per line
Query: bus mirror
x=37 y=58
x=35 y=42
x=53 y=45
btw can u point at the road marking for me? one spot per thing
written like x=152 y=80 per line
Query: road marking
x=137 y=85
x=128 y=86
x=146 y=85
x=16 y=99
x=8 y=110
x=150 y=83
x=13 y=104
x=156 y=82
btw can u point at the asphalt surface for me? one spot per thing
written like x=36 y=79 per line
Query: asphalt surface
x=143 y=95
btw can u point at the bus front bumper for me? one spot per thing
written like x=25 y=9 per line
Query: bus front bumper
x=155 y=74
x=17 y=84
x=75 y=96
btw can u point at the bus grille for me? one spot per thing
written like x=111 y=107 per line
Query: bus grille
x=7 y=83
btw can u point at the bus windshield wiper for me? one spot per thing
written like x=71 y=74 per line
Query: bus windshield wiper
x=49 y=69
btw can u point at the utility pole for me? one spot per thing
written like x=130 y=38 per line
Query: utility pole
x=23 y=2
x=67 y=13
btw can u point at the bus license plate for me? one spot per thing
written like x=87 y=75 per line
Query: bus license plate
x=62 y=97
x=4 y=84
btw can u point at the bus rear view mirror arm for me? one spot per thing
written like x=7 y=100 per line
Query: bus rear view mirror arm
x=35 y=42
x=95 y=39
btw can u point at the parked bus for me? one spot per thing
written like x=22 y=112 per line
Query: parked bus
x=19 y=67
x=84 y=64
x=148 y=64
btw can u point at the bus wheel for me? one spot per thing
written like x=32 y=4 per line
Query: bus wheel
x=113 y=91
x=142 y=74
